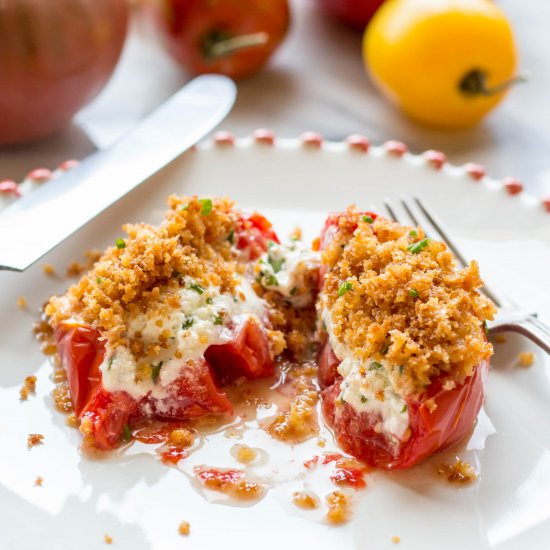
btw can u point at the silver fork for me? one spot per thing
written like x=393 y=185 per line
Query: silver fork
x=510 y=317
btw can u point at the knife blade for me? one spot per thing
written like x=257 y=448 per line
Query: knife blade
x=39 y=221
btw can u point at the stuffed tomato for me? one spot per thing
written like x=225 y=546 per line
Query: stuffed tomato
x=164 y=319
x=405 y=355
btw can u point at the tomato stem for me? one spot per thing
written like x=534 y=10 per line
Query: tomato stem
x=219 y=44
x=474 y=83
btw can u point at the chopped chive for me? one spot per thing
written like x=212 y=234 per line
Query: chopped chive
x=324 y=326
x=345 y=287
x=120 y=243
x=293 y=291
x=110 y=363
x=275 y=264
x=404 y=409
x=376 y=365
x=485 y=327
x=270 y=280
x=197 y=288
x=270 y=243
x=363 y=399
x=155 y=372
x=218 y=320
x=401 y=369
x=206 y=206
x=415 y=248
x=175 y=273
x=185 y=207
x=209 y=301
x=98 y=280
x=385 y=348
x=413 y=293
x=231 y=237
x=413 y=233
x=126 y=434
x=367 y=219
x=188 y=323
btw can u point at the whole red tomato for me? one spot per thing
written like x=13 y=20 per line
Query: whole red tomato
x=230 y=37
x=356 y=13
x=54 y=58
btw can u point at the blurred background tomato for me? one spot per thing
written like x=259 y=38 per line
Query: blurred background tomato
x=356 y=13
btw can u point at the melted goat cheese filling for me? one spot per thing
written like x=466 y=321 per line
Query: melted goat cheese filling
x=284 y=269
x=201 y=321
x=367 y=387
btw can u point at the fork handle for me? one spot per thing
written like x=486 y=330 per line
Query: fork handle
x=530 y=327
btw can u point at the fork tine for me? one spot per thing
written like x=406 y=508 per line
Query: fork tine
x=398 y=214
x=435 y=228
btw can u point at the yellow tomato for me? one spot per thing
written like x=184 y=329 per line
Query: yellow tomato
x=446 y=63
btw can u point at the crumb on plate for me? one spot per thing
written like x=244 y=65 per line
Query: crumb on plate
x=500 y=338
x=526 y=359
x=38 y=481
x=304 y=500
x=396 y=539
x=458 y=473
x=108 y=539
x=338 y=507
x=245 y=454
x=49 y=270
x=34 y=439
x=22 y=302
x=184 y=528
x=29 y=386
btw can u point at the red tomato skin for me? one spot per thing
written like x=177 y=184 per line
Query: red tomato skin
x=184 y=24
x=54 y=61
x=355 y=13
x=253 y=233
x=451 y=420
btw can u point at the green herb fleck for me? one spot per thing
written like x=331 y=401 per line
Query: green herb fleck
x=98 y=280
x=120 y=243
x=176 y=273
x=218 y=320
x=188 y=323
x=376 y=365
x=404 y=409
x=197 y=288
x=231 y=237
x=270 y=243
x=270 y=280
x=413 y=293
x=126 y=434
x=485 y=327
x=363 y=399
x=185 y=207
x=110 y=363
x=206 y=206
x=275 y=264
x=401 y=369
x=413 y=233
x=367 y=219
x=415 y=248
x=385 y=348
x=209 y=301
x=155 y=372
x=293 y=291
x=345 y=287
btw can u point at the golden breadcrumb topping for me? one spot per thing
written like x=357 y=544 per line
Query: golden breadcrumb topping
x=526 y=359
x=184 y=528
x=398 y=297
x=34 y=439
x=29 y=386
x=147 y=265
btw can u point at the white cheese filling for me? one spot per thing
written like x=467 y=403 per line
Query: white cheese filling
x=367 y=387
x=205 y=317
x=284 y=268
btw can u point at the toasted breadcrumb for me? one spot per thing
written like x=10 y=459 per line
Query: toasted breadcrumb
x=108 y=539
x=182 y=437
x=396 y=540
x=438 y=332
x=305 y=500
x=339 y=505
x=458 y=473
x=184 y=528
x=321 y=442
x=29 y=386
x=148 y=268
x=34 y=439
x=38 y=481
x=245 y=454
x=500 y=338
x=49 y=269
x=526 y=359
x=22 y=302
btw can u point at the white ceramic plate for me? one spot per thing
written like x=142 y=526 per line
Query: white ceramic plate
x=140 y=502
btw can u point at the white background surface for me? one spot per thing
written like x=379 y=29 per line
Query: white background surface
x=316 y=81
